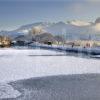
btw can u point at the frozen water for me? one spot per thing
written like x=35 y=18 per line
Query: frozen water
x=7 y=91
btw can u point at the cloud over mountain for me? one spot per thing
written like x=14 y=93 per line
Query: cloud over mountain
x=97 y=27
x=80 y=23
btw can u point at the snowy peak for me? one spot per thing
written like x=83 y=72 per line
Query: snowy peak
x=29 y=26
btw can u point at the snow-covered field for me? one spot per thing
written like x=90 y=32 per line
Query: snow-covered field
x=19 y=64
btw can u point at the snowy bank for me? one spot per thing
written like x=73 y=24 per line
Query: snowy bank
x=75 y=49
x=23 y=64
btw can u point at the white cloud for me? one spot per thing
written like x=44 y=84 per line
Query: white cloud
x=80 y=23
x=25 y=31
x=93 y=1
x=97 y=27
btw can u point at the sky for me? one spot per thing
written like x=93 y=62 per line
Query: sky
x=15 y=13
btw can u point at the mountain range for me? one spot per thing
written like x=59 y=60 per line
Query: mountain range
x=75 y=29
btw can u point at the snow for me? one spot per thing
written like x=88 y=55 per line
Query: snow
x=95 y=50
x=22 y=64
x=7 y=91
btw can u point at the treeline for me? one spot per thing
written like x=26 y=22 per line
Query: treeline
x=5 y=41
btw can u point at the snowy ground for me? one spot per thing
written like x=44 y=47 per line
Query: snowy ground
x=23 y=64
x=19 y=64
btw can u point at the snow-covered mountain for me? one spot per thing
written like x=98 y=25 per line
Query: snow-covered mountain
x=29 y=26
x=11 y=33
x=25 y=29
x=72 y=29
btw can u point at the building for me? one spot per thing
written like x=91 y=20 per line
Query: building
x=84 y=43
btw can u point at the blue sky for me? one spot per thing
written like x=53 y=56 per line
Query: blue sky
x=14 y=13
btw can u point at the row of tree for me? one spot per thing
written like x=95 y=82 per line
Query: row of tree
x=40 y=35
x=5 y=41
